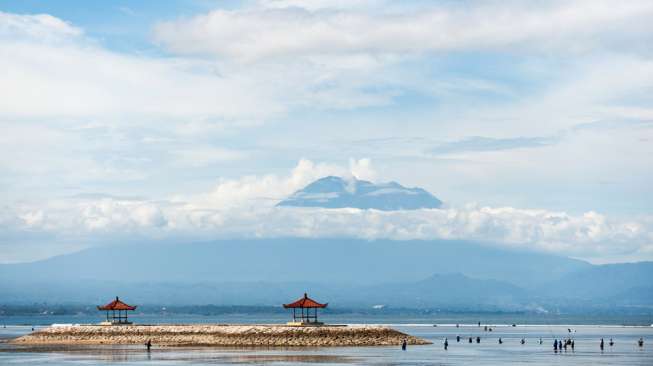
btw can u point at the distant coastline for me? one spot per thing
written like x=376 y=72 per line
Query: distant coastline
x=46 y=314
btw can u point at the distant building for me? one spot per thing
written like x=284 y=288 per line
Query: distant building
x=305 y=315
x=116 y=306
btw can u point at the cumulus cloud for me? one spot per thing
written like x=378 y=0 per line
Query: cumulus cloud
x=73 y=111
x=53 y=70
x=266 y=190
x=42 y=79
x=570 y=55
x=35 y=27
x=362 y=169
x=591 y=236
x=245 y=208
x=78 y=116
x=291 y=29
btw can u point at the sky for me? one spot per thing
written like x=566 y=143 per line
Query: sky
x=188 y=120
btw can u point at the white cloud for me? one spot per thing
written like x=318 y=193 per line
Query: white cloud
x=51 y=70
x=589 y=236
x=296 y=30
x=75 y=80
x=567 y=58
x=36 y=27
x=362 y=169
x=199 y=156
x=268 y=190
x=77 y=115
x=239 y=208
x=320 y=4
x=73 y=112
x=261 y=191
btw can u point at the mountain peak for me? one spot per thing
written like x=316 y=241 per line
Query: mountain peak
x=337 y=192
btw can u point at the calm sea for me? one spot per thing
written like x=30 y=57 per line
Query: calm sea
x=488 y=352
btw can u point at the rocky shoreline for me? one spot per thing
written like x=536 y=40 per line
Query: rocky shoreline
x=220 y=335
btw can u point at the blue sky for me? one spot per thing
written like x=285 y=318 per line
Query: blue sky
x=164 y=119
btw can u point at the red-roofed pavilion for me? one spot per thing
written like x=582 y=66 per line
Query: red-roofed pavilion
x=121 y=308
x=305 y=304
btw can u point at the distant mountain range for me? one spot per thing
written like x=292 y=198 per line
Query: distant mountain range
x=611 y=283
x=460 y=275
x=333 y=261
x=336 y=192
x=344 y=272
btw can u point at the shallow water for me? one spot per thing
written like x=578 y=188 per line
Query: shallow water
x=488 y=352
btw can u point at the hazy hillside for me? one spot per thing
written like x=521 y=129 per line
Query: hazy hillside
x=611 y=283
x=445 y=290
x=452 y=290
x=333 y=261
x=380 y=273
x=348 y=271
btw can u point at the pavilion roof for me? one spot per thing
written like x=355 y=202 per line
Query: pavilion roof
x=305 y=302
x=116 y=305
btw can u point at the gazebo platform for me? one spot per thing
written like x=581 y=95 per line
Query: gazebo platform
x=107 y=323
x=305 y=317
x=116 y=306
